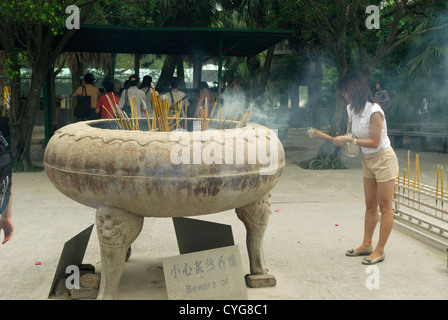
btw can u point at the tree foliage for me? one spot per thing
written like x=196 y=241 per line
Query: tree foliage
x=37 y=30
x=423 y=76
x=34 y=32
x=341 y=24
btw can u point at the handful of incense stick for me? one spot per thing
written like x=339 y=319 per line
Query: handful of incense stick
x=317 y=134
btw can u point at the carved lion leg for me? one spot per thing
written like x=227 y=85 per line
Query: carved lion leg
x=116 y=229
x=255 y=217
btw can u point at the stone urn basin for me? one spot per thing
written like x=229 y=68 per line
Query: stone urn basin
x=127 y=175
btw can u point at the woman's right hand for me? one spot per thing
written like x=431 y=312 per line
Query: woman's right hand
x=341 y=140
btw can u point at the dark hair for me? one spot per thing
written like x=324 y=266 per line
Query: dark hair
x=126 y=84
x=357 y=89
x=146 y=82
x=202 y=85
x=174 y=83
x=133 y=79
x=381 y=84
x=117 y=85
x=108 y=86
x=89 y=78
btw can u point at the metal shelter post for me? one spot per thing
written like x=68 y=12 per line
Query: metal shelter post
x=220 y=69
x=47 y=108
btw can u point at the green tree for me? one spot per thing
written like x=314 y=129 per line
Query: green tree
x=181 y=13
x=36 y=29
x=423 y=75
x=252 y=14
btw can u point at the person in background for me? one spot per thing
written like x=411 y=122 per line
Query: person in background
x=117 y=87
x=379 y=163
x=146 y=88
x=423 y=111
x=6 y=223
x=206 y=100
x=137 y=96
x=108 y=103
x=126 y=85
x=92 y=91
x=381 y=96
x=177 y=100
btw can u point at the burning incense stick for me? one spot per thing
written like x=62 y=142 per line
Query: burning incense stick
x=212 y=112
x=220 y=117
x=437 y=187
x=418 y=177
x=146 y=114
x=116 y=110
x=134 y=113
x=314 y=133
x=415 y=180
x=409 y=170
x=245 y=117
x=186 y=117
x=111 y=116
x=404 y=182
x=441 y=188
x=231 y=121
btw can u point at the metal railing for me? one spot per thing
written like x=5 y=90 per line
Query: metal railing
x=422 y=208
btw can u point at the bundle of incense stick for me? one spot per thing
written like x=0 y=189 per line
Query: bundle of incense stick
x=164 y=120
x=416 y=179
x=213 y=110
x=227 y=123
x=160 y=114
x=203 y=116
x=317 y=134
x=115 y=110
x=416 y=182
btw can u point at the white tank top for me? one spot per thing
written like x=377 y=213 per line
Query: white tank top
x=361 y=126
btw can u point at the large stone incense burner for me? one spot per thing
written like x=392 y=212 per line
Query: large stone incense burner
x=128 y=175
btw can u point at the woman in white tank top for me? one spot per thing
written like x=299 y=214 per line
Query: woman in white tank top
x=379 y=162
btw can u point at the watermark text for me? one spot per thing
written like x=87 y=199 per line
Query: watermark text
x=73 y=20
x=254 y=146
x=373 y=280
x=373 y=20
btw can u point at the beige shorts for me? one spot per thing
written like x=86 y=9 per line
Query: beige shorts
x=381 y=165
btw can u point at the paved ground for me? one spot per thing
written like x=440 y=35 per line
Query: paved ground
x=320 y=216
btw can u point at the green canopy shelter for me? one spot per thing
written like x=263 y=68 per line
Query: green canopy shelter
x=205 y=42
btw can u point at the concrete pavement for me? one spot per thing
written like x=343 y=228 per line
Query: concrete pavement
x=317 y=216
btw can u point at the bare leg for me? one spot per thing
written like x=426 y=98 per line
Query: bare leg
x=385 y=193
x=378 y=194
x=6 y=221
x=371 y=214
x=116 y=229
x=255 y=217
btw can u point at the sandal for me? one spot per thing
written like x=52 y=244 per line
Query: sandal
x=364 y=252
x=367 y=260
